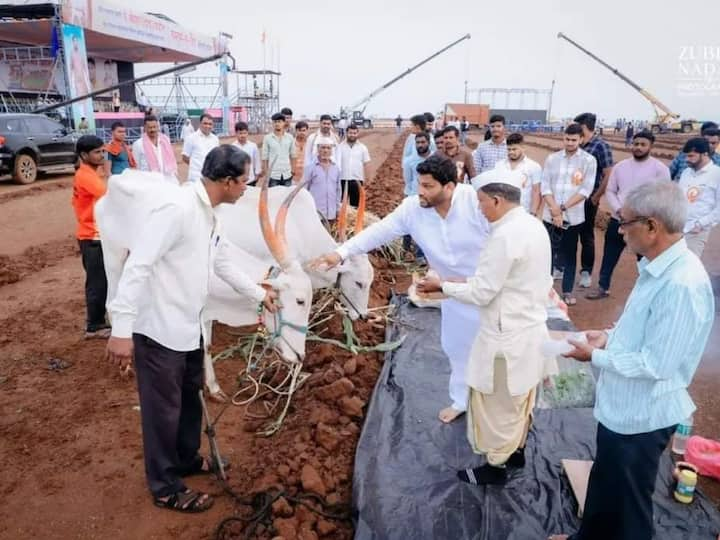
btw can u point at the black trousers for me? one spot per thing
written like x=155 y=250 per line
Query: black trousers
x=587 y=238
x=353 y=187
x=95 y=284
x=171 y=413
x=613 y=248
x=564 y=252
x=282 y=181
x=622 y=481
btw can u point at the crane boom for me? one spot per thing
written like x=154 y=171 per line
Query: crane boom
x=364 y=101
x=663 y=112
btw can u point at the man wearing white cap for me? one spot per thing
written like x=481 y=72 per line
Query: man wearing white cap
x=322 y=177
x=506 y=364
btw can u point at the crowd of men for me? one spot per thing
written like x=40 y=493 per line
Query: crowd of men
x=565 y=192
x=496 y=227
x=328 y=161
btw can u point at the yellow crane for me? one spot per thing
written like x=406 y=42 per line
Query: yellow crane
x=665 y=119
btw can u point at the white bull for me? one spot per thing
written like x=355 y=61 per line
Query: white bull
x=120 y=216
x=307 y=240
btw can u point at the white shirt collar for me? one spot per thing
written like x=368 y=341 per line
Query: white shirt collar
x=509 y=216
x=202 y=193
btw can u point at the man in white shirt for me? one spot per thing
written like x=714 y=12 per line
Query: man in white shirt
x=342 y=127
x=506 y=363
x=701 y=184
x=355 y=159
x=445 y=222
x=528 y=168
x=187 y=130
x=251 y=149
x=567 y=180
x=325 y=131
x=156 y=317
x=153 y=152
x=198 y=146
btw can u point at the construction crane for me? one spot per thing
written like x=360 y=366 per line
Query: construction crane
x=665 y=118
x=356 y=111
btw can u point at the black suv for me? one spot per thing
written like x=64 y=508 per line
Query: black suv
x=32 y=142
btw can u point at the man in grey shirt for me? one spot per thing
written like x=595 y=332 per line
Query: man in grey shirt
x=278 y=153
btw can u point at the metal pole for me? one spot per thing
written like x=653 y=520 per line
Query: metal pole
x=128 y=82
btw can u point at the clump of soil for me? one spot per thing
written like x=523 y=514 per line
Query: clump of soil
x=314 y=451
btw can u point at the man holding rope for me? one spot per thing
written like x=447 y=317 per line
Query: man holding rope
x=445 y=221
x=156 y=316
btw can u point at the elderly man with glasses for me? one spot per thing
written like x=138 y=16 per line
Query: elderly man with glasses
x=646 y=364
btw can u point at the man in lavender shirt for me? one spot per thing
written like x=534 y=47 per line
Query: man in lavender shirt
x=628 y=174
x=323 y=180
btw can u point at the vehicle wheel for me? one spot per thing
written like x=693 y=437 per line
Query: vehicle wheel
x=25 y=169
x=687 y=128
x=655 y=129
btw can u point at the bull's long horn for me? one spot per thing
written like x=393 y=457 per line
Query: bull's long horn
x=269 y=235
x=281 y=218
x=342 y=216
x=360 y=218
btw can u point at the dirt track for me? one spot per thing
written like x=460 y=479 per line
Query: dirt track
x=72 y=436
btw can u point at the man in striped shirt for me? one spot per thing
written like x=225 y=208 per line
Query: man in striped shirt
x=488 y=153
x=646 y=364
x=567 y=180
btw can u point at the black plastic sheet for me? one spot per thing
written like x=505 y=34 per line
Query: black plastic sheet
x=404 y=480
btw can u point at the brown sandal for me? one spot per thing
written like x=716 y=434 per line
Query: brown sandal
x=188 y=501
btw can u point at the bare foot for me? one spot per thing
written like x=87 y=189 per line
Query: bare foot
x=558 y=537
x=448 y=414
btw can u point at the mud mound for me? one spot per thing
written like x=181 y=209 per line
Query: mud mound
x=35 y=258
x=386 y=192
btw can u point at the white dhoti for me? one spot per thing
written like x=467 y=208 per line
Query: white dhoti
x=498 y=423
x=458 y=328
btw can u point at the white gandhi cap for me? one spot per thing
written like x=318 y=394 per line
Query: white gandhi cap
x=325 y=141
x=515 y=179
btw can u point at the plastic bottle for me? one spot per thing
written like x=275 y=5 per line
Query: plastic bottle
x=685 y=489
x=682 y=434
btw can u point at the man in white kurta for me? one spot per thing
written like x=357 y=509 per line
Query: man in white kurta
x=506 y=363
x=444 y=220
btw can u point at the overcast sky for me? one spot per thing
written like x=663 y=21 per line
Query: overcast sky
x=332 y=53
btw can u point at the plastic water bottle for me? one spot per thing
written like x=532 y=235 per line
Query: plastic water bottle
x=682 y=434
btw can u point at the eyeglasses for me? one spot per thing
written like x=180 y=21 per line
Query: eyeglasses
x=624 y=224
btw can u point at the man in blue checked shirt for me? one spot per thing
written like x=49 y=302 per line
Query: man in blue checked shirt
x=646 y=364
x=600 y=150
x=711 y=133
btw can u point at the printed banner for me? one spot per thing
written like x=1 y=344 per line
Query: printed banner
x=28 y=75
x=103 y=73
x=76 y=65
x=119 y=21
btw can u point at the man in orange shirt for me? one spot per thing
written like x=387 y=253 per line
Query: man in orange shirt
x=87 y=189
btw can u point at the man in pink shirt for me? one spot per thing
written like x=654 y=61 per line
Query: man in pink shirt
x=628 y=174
